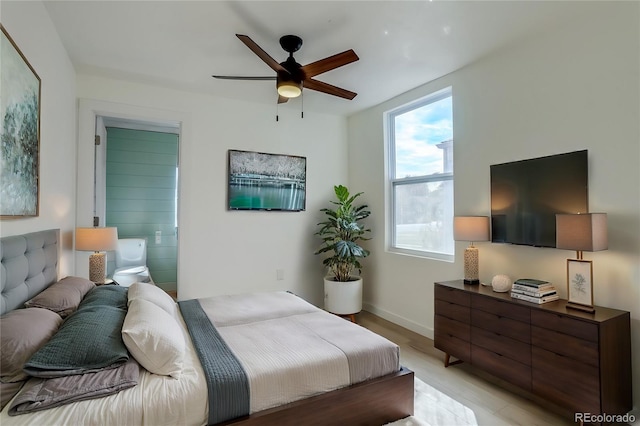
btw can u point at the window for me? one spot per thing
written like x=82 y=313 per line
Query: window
x=420 y=152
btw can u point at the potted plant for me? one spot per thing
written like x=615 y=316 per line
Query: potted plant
x=341 y=233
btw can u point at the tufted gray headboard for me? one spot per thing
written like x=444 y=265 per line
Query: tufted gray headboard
x=29 y=265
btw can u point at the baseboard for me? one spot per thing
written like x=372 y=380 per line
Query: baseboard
x=399 y=320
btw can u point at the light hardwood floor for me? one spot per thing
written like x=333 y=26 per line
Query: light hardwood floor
x=461 y=394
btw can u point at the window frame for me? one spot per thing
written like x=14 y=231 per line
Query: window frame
x=392 y=182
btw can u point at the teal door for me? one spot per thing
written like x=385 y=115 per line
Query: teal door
x=141 y=195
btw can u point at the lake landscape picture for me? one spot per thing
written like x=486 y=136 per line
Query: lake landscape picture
x=261 y=181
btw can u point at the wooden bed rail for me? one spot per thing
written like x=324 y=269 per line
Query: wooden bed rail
x=374 y=402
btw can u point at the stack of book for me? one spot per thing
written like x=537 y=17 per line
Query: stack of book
x=534 y=291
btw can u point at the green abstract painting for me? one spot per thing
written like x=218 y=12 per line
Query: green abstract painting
x=19 y=132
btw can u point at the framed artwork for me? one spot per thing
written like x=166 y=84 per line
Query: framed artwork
x=260 y=181
x=580 y=284
x=19 y=132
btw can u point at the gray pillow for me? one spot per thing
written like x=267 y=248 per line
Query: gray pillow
x=22 y=333
x=62 y=297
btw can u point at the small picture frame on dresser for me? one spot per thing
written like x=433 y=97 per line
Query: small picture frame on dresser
x=580 y=284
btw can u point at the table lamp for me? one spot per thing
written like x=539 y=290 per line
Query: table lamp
x=97 y=240
x=471 y=228
x=581 y=232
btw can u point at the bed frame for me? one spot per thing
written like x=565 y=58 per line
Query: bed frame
x=30 y=264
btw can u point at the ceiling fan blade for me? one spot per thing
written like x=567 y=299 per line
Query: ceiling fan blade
x=261 y=53
x=239 y=77
x=282 y=99
x=330 y=63
x=320 y=86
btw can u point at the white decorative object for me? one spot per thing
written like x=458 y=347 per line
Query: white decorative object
x=501 y=283
x=343 y=298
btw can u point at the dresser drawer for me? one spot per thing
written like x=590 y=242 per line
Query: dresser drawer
x=565 y=324
x=501 y=366
x=452 y=345
x=501 y=344
x=459 y=297
x=451 y=327
x=506 y=326
x=500 y=308
x=453 y=311
x=571 y=383
x=562 y=344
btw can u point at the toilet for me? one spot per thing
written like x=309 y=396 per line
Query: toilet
x=131 y=262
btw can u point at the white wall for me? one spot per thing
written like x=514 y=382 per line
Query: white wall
x=566 y=89
x=224 y=251
x=30 y=27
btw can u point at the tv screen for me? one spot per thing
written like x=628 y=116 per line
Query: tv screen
x=526 y=196
x=259 y=181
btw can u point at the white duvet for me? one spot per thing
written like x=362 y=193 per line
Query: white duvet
x=290 y=350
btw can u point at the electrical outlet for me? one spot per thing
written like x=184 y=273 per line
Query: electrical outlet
x=158 y=237
x=280 y=274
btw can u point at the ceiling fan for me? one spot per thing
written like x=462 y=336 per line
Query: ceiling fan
x=291 y=77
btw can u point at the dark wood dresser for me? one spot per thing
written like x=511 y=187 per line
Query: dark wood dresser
x=580 y=361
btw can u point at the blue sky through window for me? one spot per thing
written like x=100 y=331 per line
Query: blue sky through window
x=417 y=132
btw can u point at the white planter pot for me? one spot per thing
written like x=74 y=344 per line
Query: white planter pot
x=343 y=298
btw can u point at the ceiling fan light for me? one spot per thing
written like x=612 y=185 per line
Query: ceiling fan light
x=289 y=89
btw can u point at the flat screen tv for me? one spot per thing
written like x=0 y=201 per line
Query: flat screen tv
x=527 y=194
x=260 y=181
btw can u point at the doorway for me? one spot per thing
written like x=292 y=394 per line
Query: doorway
x=137 y=190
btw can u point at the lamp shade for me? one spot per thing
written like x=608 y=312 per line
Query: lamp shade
x=471 y=228
x=96 y=239
x=582 y=232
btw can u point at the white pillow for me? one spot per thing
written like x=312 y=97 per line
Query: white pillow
x=153 y=294
x=154 y=338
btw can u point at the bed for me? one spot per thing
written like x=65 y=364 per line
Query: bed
x=301 y=365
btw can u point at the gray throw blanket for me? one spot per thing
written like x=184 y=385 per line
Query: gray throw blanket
x=89 y=340
x=41 y=394
x=227 y=381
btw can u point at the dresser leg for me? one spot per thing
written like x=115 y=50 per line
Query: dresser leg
x=447 y=360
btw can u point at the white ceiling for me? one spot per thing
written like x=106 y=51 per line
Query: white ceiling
x=401 y=44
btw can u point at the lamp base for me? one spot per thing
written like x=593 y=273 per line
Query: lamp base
x=471 y=275
x=97 y=267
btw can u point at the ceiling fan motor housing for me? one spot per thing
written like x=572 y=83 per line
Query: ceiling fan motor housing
x=295 y=72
